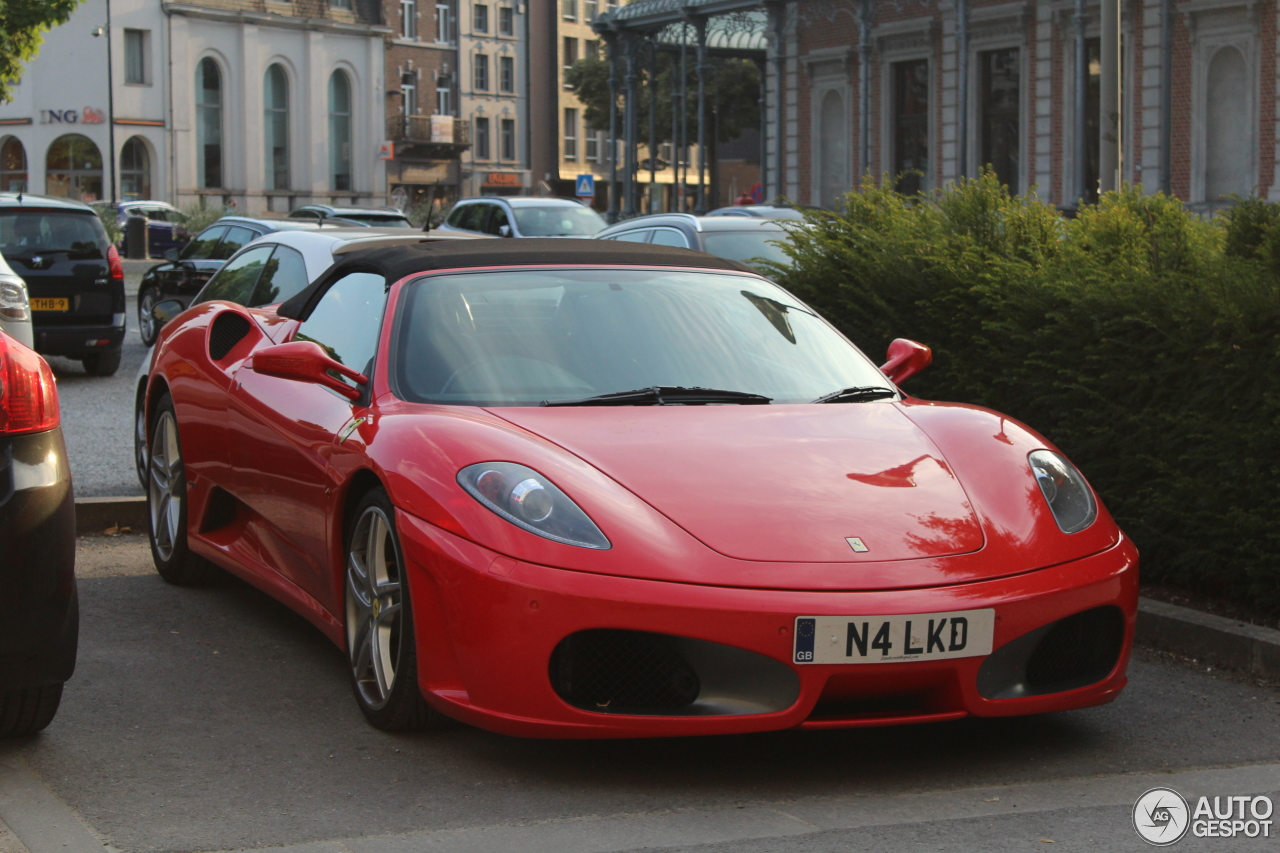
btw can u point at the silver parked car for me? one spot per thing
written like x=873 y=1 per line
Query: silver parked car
x=15 y=307
x=522 y=216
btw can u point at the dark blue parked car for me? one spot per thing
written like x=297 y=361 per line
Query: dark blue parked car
x=163 y=223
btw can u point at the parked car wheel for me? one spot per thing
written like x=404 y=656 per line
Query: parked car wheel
x=28 y=710
x=167 y=503
x=148 y=326
x=102 y=363
x=380 y=640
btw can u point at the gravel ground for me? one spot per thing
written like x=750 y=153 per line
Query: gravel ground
x=97 y=412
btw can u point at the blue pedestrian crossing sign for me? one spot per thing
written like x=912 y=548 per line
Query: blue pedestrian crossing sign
x=586 y=186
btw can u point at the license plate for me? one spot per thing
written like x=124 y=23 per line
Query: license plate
x=50 y=305
x=894 y=639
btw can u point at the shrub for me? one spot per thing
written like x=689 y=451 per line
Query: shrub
x=197 y=217
x=1142 y=339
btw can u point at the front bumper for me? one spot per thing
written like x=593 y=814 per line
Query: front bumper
x=488 y=626
x=39 y=614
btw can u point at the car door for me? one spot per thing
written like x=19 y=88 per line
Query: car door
x=195 y=259
x=637 y=235
x=288 y=434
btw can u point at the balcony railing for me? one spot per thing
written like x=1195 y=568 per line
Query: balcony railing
x=433 y=129
x=355 y=11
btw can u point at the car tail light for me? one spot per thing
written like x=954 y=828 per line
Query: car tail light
x=28 y=395
x=113 y=262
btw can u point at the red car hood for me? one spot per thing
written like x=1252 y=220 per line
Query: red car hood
x=784 y=483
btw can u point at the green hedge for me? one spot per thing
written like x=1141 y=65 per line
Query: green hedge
x=1141 y=339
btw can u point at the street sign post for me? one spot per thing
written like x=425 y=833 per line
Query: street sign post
x=585 y=187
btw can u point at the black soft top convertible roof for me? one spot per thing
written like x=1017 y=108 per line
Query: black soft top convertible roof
x=397 y=262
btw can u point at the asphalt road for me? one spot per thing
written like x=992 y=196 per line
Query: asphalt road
x=97 y=412
x=213 y=718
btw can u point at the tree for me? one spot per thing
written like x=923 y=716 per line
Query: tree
x=22 y=27
x=733 y=94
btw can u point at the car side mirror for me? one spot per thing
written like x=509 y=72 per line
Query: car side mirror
x=906 y=359
x=167 y=309
x=305 y=361
x=504 y=230
x=171 y=255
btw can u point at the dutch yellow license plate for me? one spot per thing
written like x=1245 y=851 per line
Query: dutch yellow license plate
x=50 y=305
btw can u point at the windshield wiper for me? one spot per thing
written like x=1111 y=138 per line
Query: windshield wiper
x=857 y=394
x=666 y=395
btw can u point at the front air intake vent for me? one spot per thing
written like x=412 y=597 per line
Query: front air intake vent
x=623 y=672
x=228 y=329
x=1080 y=649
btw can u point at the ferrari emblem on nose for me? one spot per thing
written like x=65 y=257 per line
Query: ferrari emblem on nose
x=856 y=544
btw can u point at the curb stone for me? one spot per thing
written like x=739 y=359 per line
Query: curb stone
x=94 y=515
x=1228 y=643
x=1222 y=642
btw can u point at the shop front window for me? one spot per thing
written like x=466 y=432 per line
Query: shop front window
x=73 y=168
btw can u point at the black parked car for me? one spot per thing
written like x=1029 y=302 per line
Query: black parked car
x=73 y=274
x=185 y=272
x=39 y=612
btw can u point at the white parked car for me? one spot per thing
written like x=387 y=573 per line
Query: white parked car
x=15 y=308
x=269 y=270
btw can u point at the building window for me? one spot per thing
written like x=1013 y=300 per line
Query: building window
x=73 y=168
x=506 y=21
x=570 y=52
x=480 y=18
x=444 y=23
x=507 y=74
x=590 y=49
x=481 y=66
x=209 y=124
x=409 y=94
x=1000 y=125
x=911 y=125
x=137 y=71
x=590 y=143
x=508 y=139
x=569 y=9
x=340 y=4
x=570 y=133
x=444 y=97
x=482 y=138
x=1230 y=139
x=275 y=127
x=340 y=131
x=409 y=19
x=590 y=8
x=135 y=170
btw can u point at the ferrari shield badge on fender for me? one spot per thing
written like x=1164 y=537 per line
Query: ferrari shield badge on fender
x=857 y=544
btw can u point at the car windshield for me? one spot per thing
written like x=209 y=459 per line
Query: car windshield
x=747 y=246
x=24 y=233
x=558 y=221
x=518 y=338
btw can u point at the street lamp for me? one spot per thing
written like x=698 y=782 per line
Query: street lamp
x=111 y=103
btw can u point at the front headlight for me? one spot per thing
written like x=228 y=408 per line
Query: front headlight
x=531 y=502
x=1064 y=489
x=13 y=299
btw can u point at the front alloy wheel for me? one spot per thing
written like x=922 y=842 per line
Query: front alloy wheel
x=380 y=630
x=167 y=502
x=148 y=326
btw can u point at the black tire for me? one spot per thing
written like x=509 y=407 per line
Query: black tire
x=102 y=363
x=148 y=326
x=398 y=707
x=26 y=711
x=167 y=502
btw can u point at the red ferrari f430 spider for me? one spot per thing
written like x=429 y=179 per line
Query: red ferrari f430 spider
x=591 y=489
